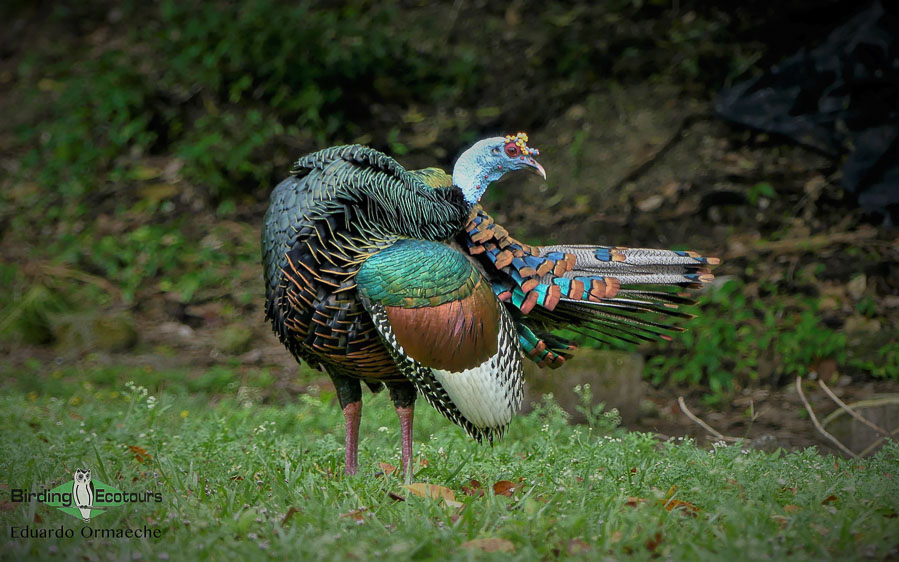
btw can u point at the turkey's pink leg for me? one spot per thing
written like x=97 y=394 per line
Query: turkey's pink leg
x=352 y=412
x=405 y=414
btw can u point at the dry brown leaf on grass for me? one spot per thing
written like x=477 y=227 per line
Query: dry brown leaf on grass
x=634 y=501
x=357 y=515
x=790 y=508
x=387 y=469
x=653 y=542
x=687 y=507
x=140 y=454
x=670 y=504
x=290 y=513
x=504 y=488
x=828 y=499
x=433 y=491
x=490 y=545
x=395 y=497
x=473 y=489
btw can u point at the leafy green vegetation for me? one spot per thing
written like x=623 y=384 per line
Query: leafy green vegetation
x=886 y=366
x=223 y=89
x=248 y=480
x=737 y=339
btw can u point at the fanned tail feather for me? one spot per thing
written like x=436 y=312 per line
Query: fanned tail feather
x=606 y=293
x=637 y=266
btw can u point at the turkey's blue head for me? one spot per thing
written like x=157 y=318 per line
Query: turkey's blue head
x=489 y=159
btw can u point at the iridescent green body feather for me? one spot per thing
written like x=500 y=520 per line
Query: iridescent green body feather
x=416 y=273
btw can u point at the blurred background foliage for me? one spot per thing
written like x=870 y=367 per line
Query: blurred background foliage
x=140 y=141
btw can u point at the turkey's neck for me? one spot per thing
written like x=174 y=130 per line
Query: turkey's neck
x=472 y=175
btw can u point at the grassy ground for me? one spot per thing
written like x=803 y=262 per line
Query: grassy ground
x=245 y=480
x=130 y=202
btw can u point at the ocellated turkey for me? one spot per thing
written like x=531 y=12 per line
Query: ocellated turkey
x=398 y=278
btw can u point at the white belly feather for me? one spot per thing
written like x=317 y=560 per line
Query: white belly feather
x=482 y=393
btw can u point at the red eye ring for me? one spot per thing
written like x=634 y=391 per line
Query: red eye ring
x=512 y=150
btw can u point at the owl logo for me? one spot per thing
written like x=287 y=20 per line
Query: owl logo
x=83 y=493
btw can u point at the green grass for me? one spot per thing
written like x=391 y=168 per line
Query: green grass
x=229 y=471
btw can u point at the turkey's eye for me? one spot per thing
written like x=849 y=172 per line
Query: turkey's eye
x=512 y=150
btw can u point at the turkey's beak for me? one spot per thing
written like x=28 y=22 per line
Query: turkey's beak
x=535 y=168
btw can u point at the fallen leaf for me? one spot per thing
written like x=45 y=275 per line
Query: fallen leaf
x=38 y=519
x=386 y=468
x=790 y=508
x=290 y=513
x=473 y=489
x=634 y=501
x=828 y=499
x=687 y=507
x=140 y=454
x=395 y=497
x=653 y=542
x=504 y=488
x=432 y=491
x=490 y=545
x=357 y=515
